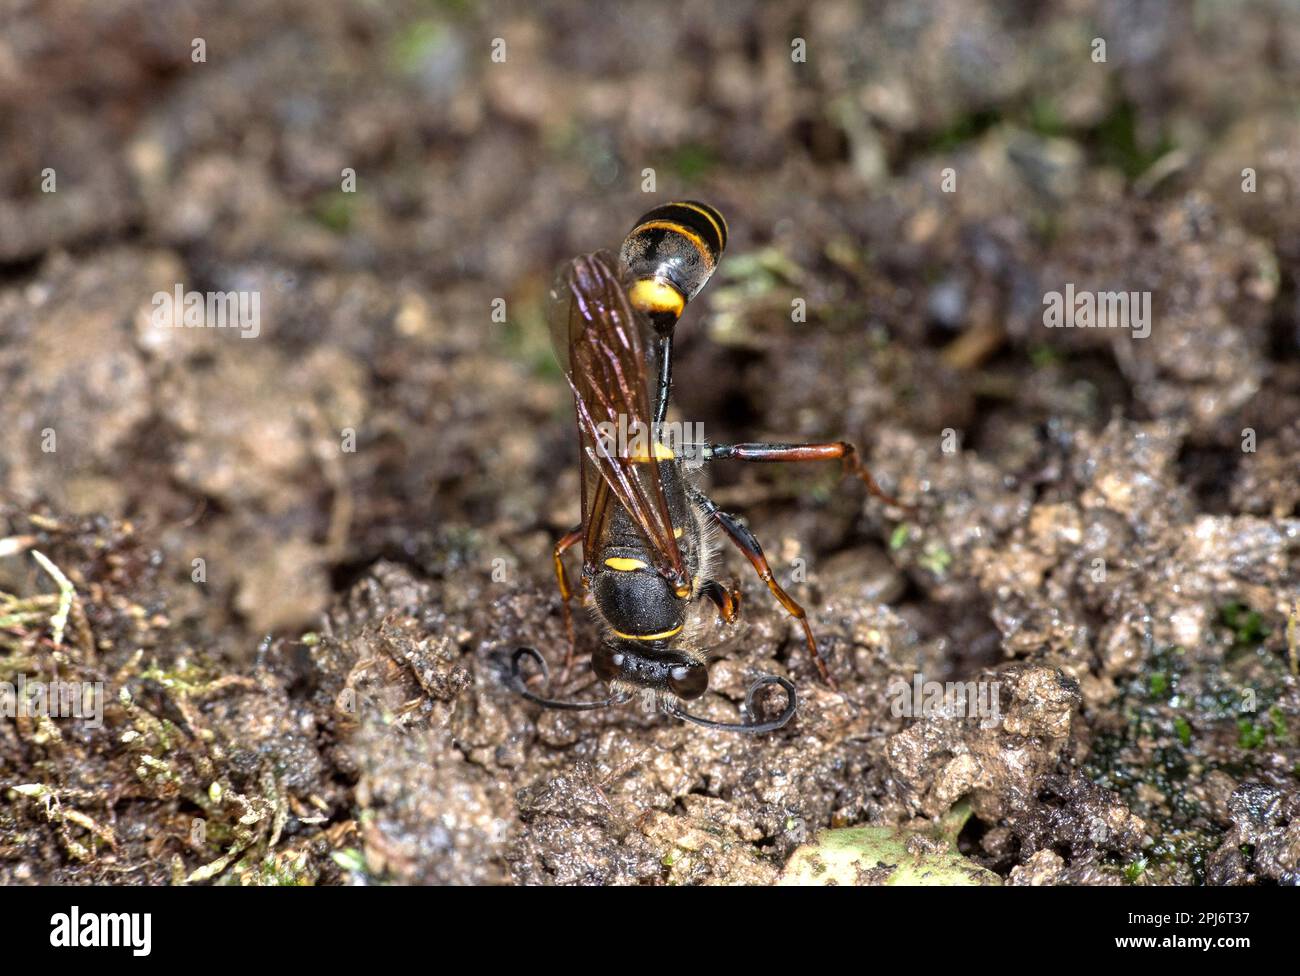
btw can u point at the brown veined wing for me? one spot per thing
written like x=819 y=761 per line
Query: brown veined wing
x=598 y=340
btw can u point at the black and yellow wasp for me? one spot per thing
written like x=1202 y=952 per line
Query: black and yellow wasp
x=646 y=525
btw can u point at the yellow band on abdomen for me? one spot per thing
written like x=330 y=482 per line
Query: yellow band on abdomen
x=650 y=295
x=662 y=635
x=623 y=564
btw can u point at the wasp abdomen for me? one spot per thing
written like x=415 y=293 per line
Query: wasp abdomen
x=671 y=253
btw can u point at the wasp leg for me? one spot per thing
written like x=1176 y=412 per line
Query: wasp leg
x=744 y=540
x=565 y=543
x=726 y=600
x=807 y=452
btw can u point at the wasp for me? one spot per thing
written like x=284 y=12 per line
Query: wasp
x=648 y=530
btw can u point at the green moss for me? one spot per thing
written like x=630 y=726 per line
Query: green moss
x=1157 y=750
x=1250 y=735
x=1119 y=143
x=1247 y=625
x=1172 y=707
x=1178 y=855
x=1158 y=684
x=1280 y=730
x=1272 y=726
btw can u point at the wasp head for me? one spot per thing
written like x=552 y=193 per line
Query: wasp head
x=666 y=671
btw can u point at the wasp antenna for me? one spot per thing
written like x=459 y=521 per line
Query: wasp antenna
x=517 y=678
x=752 y=727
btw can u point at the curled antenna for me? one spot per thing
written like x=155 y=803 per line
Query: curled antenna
x=750 y=725
x=517 y=677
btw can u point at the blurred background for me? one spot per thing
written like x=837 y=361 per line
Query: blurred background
x=208 y=143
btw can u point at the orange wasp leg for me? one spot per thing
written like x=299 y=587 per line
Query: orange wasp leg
x=744 y=540
x=726 y=600
x=565 y=543
x=835 y=450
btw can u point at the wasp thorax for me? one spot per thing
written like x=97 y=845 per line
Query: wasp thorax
x=670 y=255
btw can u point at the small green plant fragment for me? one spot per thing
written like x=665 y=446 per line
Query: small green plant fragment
x=936 y=560
x=1280 y=730
x=888 y=856
x=60 y=619
x=1158 y=684
x=1134 y=870
x=349 y=859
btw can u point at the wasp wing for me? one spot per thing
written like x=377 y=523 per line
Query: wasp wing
x=598 y=338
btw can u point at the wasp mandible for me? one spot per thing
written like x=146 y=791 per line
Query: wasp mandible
x=647 y=527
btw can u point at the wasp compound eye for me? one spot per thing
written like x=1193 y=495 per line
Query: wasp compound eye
x=670 y=254
x=688 y=680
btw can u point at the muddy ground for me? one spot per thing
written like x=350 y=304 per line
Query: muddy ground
x=298 y=562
